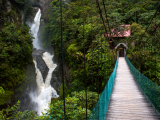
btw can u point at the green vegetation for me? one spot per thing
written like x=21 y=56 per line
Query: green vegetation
x=15 y=51
x=74 y=42
x=75 y=106
x=12 y=113
x=136 y=13
x=16 y=48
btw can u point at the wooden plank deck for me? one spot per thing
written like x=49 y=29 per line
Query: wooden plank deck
x=127 y=102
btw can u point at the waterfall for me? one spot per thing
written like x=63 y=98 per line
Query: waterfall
x=35 y=28
x=45 y=90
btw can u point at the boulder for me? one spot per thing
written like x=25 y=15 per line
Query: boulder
x=37 y=56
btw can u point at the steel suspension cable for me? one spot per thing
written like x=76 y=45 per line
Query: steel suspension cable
x=155 y=49
x=100 y=12
x=147 y=39
x=98 y=65
x=84 y=61
x=107 y=18
x=92 y=50
x=62 y=62
x=101 y=65
x=149 y=25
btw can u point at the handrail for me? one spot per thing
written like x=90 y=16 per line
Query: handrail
x=100 y=109
x=150 y=90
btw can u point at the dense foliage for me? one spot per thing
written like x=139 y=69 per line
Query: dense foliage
x=75 y=106
x=74 y=44
x=12 y=113
x=15 y=50
x=98 y=59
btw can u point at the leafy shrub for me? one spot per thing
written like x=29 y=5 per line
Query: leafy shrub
x=75 y=106
x=15 y=54
x=13 y=113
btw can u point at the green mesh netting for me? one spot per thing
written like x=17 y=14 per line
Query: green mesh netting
x=150 y=90
x=100 y=109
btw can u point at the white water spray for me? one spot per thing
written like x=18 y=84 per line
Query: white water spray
x=45 y=90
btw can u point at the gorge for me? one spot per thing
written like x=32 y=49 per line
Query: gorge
x=45 y=90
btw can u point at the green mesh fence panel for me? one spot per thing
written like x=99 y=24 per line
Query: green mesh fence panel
x=150 y=90
x=100 y=109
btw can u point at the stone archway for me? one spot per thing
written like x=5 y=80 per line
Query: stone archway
x=121 y=49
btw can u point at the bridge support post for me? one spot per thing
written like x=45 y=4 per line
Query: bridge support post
x=124 y=51
x=117 y=53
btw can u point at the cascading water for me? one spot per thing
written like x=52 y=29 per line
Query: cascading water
x=45 y=90
x=35 y=28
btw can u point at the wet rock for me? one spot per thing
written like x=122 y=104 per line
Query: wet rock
x=44 y=5
x=56 y=80
x=8 y=6
x=37 y=56
x=35 y=10
x=36 y=52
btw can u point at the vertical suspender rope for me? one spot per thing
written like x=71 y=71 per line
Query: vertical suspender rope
x=155 y=49
x=100 y=12
x=62 y=62
x=108 y=25
x=106 y=31
x=101 y=64
x=98 y=67
x=92 y=50
x=141 y=46
x=84 y=61
x=107 y=18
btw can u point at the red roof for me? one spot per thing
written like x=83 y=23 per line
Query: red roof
x=126 y=32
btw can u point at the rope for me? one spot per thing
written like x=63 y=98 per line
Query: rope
x=149 y=25
x=107 y=19
x=98 y=66
x=84 y=61
x=62 y=62
x=92 y=50
x=100 y=12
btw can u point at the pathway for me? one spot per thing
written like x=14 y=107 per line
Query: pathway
x=127 y=102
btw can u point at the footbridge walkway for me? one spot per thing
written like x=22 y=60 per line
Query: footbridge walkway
x=127 y=101
x=129 y=95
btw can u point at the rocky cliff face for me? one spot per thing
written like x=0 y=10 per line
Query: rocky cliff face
x=44 y=5
x=9 y=11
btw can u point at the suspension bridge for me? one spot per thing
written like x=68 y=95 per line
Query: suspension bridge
x=127 y=101
x=128 y=94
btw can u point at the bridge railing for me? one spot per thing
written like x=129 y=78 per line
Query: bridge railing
x=100 y=109
x=150 y=90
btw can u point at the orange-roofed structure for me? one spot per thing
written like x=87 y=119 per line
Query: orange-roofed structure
x=117 y=34
x=124 y=31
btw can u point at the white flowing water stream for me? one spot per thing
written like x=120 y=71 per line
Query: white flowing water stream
x=45 y=90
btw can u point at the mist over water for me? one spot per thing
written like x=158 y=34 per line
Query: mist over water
x=45 y=90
